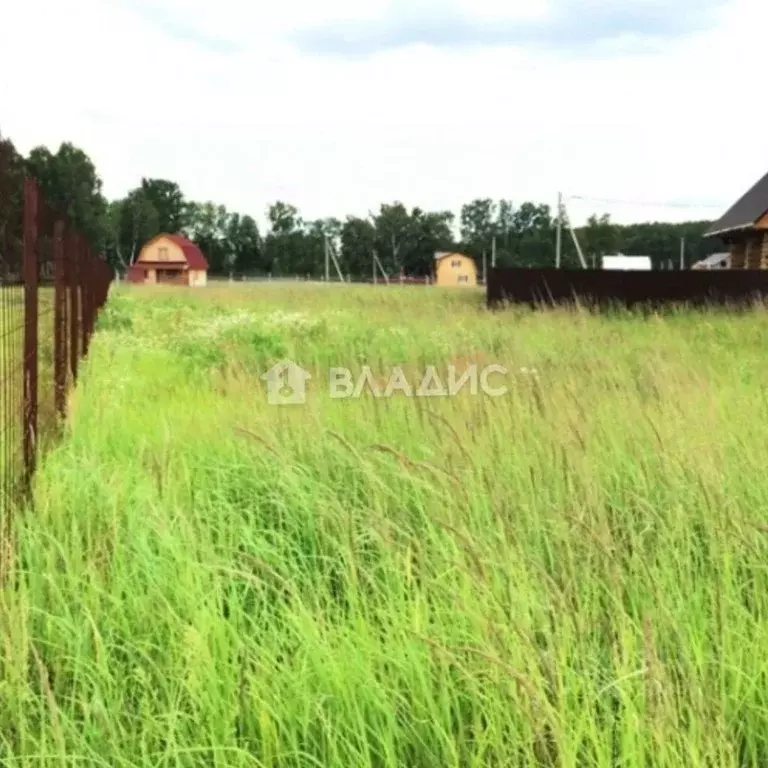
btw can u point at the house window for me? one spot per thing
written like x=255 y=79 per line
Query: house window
x=162 y=254
x=456 y=263
x=463 y=278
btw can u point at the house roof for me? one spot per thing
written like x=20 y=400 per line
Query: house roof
x=745 y=212
x=192 y=253
x=177 y=265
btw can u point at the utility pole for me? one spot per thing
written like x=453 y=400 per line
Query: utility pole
x=559 y=240
x=578 y=247
x=682 y=253
x=381 y=268
x=373 y=263
x=331 y=250
x=563 y=215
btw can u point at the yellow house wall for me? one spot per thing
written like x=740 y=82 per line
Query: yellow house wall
x=151 y=251
x=197 y=277
x=445 y=274
x=151 y=277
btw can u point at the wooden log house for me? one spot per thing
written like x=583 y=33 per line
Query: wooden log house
x=743 y=228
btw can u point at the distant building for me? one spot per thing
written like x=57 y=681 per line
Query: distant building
x=169 y=259
x=715 y=261
x=454 y=269
x=743 y=228
x=621 y=262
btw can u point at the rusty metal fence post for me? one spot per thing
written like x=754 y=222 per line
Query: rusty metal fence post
x=30 y=275
x=59 y=321
x=86 y=274
x=74 y=303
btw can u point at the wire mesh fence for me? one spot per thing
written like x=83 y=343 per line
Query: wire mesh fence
x=11 y=326
x=240 y=277
x=51 y=288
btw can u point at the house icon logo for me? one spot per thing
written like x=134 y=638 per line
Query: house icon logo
x=286 y=383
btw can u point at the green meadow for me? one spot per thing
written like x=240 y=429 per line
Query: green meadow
x=574 y=573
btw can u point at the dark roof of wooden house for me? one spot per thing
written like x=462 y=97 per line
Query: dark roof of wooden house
x=745 y=212
x=192 y=253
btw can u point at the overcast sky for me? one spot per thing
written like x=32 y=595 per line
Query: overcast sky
x=338 y=105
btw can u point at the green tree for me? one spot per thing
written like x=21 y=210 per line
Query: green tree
x=167 y=199
x=245 y=243
x=532 y=236
x=393 y=231
x=432 y=232
x=71 y=187
x=308 y=249
x=397 y=234
x=358 y=241
x=285 y=242
x=283 y=218
x=317 y=234
x=130 y=222
x=403 y=239
x=478 y=226
x=504 y=231
x=208 y=225
x=11 y=207
x=600 y=237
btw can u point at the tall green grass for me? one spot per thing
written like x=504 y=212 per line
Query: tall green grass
x=573 y=574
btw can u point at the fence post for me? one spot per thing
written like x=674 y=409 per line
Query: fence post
x=30 y=275
x=85 y=298
x=74 y=299
x=59 y=322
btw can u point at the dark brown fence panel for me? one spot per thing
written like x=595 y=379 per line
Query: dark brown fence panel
x=52 y=286
x=631 y=289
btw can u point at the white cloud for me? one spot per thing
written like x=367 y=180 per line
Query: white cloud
x=151 y=95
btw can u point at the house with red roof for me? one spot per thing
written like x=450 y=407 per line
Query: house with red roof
x=170 y=260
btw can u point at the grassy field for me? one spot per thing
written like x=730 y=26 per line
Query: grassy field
x=573 y=574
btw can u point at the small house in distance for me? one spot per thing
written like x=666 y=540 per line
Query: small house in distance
x=621 y=262
x=454 y=269
x=743 y=228
x=170 y=260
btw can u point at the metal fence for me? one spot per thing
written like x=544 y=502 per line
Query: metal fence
x=537 y=287
x=238 y=277
x=51 y=288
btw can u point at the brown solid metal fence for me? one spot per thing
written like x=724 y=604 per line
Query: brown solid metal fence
x=51 y=288
x=537 y=287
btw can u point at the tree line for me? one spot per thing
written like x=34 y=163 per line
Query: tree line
x=404 y=239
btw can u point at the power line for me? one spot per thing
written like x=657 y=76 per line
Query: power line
x=646 y=203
